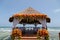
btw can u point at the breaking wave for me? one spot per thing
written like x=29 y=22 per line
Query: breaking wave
x=5 y=29
x=57 y=30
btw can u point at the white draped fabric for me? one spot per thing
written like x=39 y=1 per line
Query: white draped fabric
x=15 y=22
x=43 y=22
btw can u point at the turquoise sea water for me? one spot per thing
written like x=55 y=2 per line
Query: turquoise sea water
x=6 y=31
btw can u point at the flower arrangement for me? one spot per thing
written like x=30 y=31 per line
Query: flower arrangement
x=16 y=33
x=43 y=33
x=30 y=16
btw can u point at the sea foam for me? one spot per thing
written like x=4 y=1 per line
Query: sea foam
x=5 y=29
x=57 y=30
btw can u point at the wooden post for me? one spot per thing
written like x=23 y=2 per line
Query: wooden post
x=59 y=36
x=46 y=27
x=23 y=24
x=35 y=24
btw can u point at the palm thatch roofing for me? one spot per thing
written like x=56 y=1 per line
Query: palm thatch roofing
x=29 y=16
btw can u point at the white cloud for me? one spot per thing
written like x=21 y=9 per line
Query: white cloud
x=56 y=11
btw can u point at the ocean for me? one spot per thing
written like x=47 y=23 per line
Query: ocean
x=6 y=31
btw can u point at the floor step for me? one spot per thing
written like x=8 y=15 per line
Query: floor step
x=30 y=38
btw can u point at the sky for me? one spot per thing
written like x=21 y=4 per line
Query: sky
x=49 y=7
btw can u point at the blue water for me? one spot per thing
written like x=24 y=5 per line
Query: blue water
x=5 y=32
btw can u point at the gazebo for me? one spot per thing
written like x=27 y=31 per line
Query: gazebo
x=30 y=16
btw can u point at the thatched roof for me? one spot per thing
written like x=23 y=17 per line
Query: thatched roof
x=29 y=10
x=31 y=15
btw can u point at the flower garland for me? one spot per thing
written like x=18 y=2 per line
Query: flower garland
x=31 y=17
